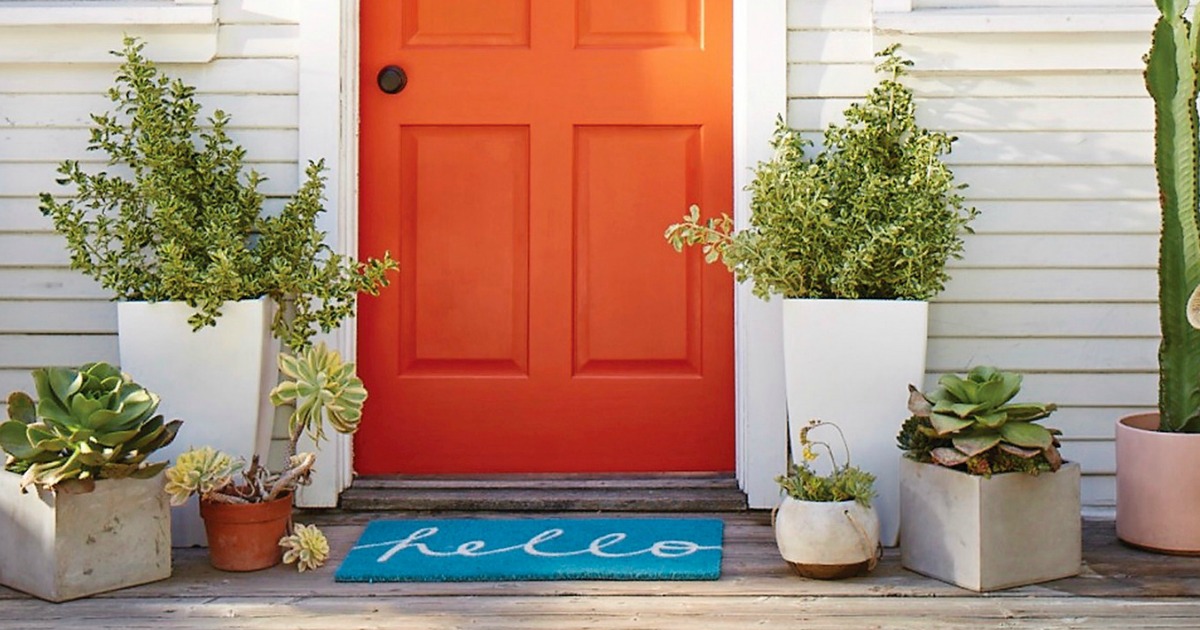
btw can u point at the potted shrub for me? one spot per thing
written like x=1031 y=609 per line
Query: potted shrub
x=82 y=511
x=856 y=239
x=825 y=526
x=248 y=520
x=986 y=500
x=208 y=283
x=1158 y=454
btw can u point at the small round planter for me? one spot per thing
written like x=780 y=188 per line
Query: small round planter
x=827 y=541
x=1158 y=487
x=245 y=537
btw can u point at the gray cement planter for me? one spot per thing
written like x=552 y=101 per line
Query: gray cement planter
x=989 y=533
x=65 y=546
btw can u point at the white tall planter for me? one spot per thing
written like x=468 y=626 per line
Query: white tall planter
x=850 y=362
x=216 y=380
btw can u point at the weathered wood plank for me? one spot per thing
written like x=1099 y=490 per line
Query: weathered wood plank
x=272 y=111
x=1039 y=355
x=1059 y=251
x=546 y=500
x=220 y=76
x=1051 y=285
x=957 y=114
x=1043 y=320
x=549 y=482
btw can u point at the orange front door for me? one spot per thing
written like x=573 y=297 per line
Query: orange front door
x=523 y=178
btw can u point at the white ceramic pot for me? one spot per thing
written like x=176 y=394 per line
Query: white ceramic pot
x=850 y=362
x=827 y=540
x=216 y=380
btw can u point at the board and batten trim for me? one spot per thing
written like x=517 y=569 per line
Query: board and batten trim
x=328 y=129
x=760 y=94
x=760 y=72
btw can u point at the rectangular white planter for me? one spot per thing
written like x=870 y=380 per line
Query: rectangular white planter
x=991 y=533
x=216 y=380
x=850 y=362
x=66 y=546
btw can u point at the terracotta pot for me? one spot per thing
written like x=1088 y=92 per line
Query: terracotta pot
x=827 y=540
x=1158 y=487
x=245 y=537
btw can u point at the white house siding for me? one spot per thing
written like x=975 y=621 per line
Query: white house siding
x=50 y=314
x=1055 y=142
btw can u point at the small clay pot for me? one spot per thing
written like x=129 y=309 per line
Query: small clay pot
x=245 y=536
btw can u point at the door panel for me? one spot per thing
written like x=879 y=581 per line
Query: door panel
x=638 y=304
x=454 y=321
x=524 y=179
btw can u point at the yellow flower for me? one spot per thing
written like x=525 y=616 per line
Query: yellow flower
x=808 y=453
x=307 y=547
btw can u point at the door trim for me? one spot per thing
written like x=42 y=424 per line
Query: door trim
x=328 y=62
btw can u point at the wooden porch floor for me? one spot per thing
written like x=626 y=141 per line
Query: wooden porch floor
x=1119 y=588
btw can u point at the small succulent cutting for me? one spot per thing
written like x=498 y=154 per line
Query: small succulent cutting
x=306 y=546
x=970 y=424
x=89 y=423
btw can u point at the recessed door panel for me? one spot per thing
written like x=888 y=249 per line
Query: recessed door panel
x=638 y=305
x=639 y=23
x=453 y=23
x=464 y=244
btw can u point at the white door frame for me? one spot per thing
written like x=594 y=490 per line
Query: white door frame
x=328 y=105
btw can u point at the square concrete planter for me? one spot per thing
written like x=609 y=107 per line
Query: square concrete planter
x=65 y=546
x=991 y=533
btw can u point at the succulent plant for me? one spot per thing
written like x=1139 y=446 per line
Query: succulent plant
x=320 y=387
x=843 y=483
x=306 y=546
x=211 y=475
x=1171 y=79
x=971 y=423
x=201 y=471
x=91 y=422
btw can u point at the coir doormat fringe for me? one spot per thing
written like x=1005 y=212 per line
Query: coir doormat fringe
x=478 y=550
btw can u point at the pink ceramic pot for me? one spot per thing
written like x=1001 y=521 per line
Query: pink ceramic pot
x=1158 y=486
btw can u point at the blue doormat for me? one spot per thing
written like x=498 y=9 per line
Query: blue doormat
x=480 y=550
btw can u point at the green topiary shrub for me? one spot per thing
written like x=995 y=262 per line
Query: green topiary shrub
x=176 y=216
x=875 y=214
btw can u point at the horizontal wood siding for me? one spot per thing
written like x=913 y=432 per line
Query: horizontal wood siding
x=50 y=314
x=1059 y=280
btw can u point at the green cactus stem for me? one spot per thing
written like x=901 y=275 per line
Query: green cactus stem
x=1171 y=80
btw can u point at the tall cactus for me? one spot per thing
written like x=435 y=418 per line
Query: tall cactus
x=1171 y=78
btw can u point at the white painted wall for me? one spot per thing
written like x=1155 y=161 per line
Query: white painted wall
x=50 y=314
x=1055 y=142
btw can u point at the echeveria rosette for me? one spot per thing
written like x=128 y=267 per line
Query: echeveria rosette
x=91 y=422
x=971 y=423
x=306 y=546
x=323 y=389
x=202 y=471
